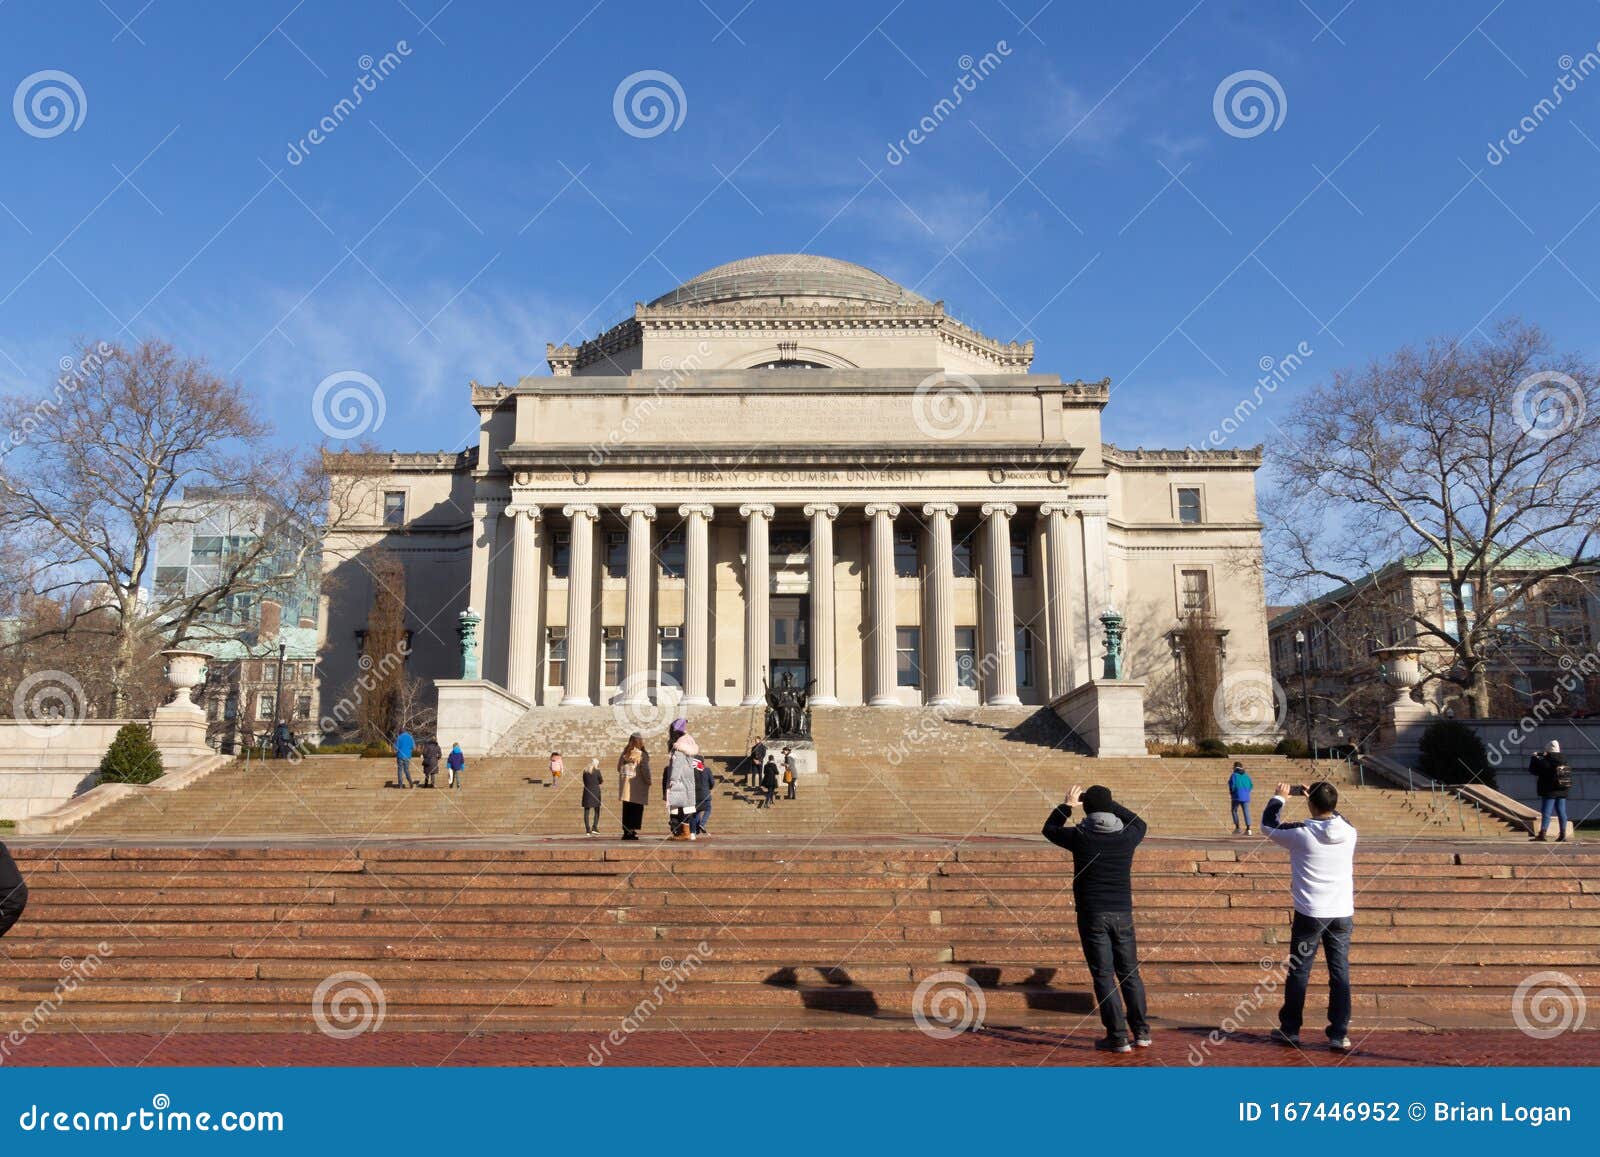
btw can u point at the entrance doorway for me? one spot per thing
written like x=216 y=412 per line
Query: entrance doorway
x=791 y=642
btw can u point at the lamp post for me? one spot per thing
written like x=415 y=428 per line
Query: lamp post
x=277 y=700
x=1302 y=661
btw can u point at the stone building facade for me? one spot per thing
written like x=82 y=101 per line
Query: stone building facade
x=793 y=465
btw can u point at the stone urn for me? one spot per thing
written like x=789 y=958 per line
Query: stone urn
x=1401 y=668
x=186 y=670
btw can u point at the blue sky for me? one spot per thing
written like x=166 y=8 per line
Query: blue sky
x=483 y=199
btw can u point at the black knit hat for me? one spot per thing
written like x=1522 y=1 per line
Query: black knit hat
x=1097 y=799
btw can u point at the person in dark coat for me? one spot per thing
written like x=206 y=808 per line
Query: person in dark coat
x=758 y=759
x=432 y=753
x=705 y=786
x=1553 y=780
x=769 y=781
x=1102 y=848
x=592 y=782
x=13 y=891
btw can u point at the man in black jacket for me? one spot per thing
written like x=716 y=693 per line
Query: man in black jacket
x=13 y=892
x=1102 y=848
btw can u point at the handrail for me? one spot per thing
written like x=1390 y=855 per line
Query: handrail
x=1496 y=803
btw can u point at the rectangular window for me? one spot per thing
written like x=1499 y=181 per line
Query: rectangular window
x=1189 y=504
x=207 y=548
x=671 y=663
x=394 y=507
x=1196 y=587
x=908 y=657
x=560 y=554
x=962 y=558
x=967 y=656
x=905 y=554
x=1019 y=554
x=1447 y=604
x=1024 y=656
x=672 y=555
x=555 y=662
x=302 y=707
x=617 y=554
x=613 y=656
x=230 y=709
x=264 y=706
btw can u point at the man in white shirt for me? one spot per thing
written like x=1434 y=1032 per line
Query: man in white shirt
x=1322 y=851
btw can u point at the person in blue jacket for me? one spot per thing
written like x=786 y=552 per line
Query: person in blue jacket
x=1239 y=786
x=404 y=747
x=457 y=763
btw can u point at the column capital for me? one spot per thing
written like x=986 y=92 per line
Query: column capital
x=581 y=510
x=827 y=509
x=643 y=508
x=990 y=509
x=1049 y=508
x=530 y=510
x=948 y=509
x=703 y=509
x=1093 y=507
x=756 y=509
x=873 y=509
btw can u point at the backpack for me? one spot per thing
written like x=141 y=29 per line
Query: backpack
x=1561 y=775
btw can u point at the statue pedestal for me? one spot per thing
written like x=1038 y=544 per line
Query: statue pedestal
x=1108 y=715
x=803 y=750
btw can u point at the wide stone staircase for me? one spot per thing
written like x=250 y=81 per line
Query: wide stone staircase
x=829 y=933
x=961 y=772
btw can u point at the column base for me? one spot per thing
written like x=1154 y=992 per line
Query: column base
x=694 y=701
x=944 y=701
x=756 y=702
x=1003 y=701
x=824 y=701
x=884 y=701
x=576 y=701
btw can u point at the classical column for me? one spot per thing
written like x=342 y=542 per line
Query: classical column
x=939 y=630
x=580 y=603
x=485 y=527
x=1096 y=578
x=880 y=608
x=1058 y=597
x=822 y=515
x=757 y=628
x=636 y=620
x=522 y=661
x=696 y=603
x=1000 y=613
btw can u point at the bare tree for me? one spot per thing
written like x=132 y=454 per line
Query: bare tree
x=1482 y=458
x=94 y=471
x=385 y=698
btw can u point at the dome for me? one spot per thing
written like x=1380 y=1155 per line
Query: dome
x=789 y=275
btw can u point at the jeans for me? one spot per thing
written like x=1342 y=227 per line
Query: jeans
x=790 y=793
x=1112 y=954
x=1305 y=933
x=767 y=802
x=591 y=818
x=402 y=771
x=1556 y=808
x=701 y=818
x=1241 y=807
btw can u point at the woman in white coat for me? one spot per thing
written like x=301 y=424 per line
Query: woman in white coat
x=678 y=782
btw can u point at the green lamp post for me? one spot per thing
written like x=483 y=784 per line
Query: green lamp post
x=467 y=631
x=1112 y=622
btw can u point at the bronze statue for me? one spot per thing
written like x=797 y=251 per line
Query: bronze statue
x=788 y=714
